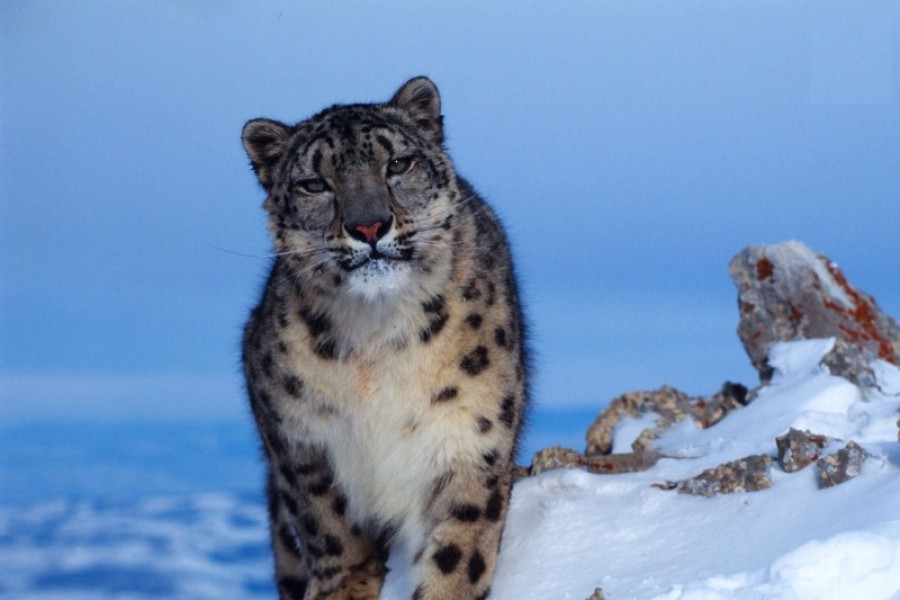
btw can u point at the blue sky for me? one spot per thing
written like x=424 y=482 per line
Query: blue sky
x=632 y=148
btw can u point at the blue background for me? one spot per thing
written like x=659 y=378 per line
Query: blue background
x=631 y=148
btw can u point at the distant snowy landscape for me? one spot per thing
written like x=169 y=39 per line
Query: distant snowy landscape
x=569 y=531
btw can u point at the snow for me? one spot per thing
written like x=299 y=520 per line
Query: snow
x=569 y=531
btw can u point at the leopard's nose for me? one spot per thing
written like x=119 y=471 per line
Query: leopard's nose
x=370 y=233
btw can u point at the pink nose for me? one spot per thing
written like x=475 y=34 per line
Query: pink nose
x=370 y=232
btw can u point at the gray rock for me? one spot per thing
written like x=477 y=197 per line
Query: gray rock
x=787 y=292
x=558 y=457
x=626 y=462
x=798 y=449
x=841 y=466
x=597 y=595
x=555 y=457
x=748 y=474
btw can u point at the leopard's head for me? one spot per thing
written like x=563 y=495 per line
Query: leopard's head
x=360 y=196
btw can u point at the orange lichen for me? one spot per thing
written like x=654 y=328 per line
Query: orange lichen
x=764 y=269
x=599 y=465
x=796 y=316
x=862 y=316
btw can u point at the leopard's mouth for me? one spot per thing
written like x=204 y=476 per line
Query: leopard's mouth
x=375 y=260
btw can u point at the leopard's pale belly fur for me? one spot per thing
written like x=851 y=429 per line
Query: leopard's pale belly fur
x=385 y=364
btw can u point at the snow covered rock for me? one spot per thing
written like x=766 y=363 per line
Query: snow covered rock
x=748 y=474
x=791 y=539
x=558 y=457
x=798 y=449
x=787 y=292
x=842 y=465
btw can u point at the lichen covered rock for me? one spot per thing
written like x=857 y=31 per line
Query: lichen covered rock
x=787 y=292
x=626 y=462
x=558 y=457
x=841 y=466
x=747 y=474
x=555 y=457
x=798 y=449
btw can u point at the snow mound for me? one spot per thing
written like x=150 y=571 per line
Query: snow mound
x=570 y=531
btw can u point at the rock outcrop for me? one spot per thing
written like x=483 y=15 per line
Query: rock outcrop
x=841 y=466
x=799 y=449
x=787 y=292
x=558 y=457
x=748 y=474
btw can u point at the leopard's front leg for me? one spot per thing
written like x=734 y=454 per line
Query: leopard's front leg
x=466 y=516
x=319 y=553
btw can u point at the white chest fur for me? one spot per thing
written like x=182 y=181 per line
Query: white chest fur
x=387 y=441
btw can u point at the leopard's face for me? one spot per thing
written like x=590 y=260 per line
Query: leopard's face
x=361 y=197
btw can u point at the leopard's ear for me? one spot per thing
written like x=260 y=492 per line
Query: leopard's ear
x=265 y=142
x=420 y=99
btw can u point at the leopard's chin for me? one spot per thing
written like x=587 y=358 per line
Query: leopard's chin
x=380 y=277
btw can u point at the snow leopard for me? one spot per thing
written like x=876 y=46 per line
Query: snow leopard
x=386 y=362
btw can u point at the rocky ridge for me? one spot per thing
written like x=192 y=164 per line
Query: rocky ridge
x=786 y=292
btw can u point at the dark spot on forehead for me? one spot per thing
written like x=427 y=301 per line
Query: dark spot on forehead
x=385 y=143
x=317 y=160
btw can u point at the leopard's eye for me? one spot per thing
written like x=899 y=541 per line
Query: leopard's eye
x=313 y=186
x=398 y=166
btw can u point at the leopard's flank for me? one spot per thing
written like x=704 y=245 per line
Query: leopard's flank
x=385 y=364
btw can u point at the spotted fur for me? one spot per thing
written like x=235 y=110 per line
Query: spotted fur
x=385 y=363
